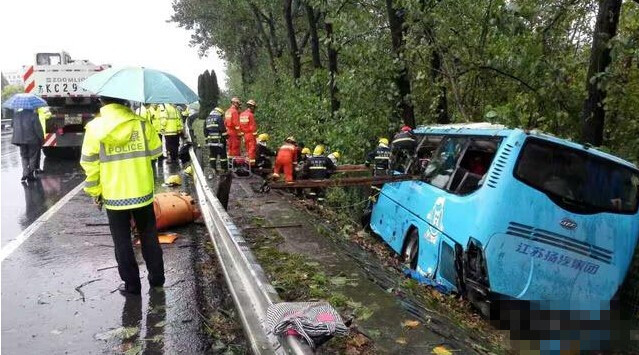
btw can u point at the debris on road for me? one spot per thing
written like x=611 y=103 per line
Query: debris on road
x=84 y=284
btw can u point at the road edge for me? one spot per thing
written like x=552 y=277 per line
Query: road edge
x=33 y=227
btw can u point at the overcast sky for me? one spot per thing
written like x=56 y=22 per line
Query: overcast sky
x=116 y=32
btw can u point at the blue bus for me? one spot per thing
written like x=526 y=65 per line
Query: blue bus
x=515 y=214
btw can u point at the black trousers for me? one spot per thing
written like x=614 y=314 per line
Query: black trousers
x=172 y=146
x=29 y=154
x=120 y=225
x=218 y=153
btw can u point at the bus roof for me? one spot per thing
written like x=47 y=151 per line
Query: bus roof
x=491 y=129
x=478 y=128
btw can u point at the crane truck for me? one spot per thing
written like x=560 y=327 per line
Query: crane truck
x=56 y=78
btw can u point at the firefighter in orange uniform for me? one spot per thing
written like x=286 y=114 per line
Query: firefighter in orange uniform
x=286 y=157
x=248 y=128
x=232 y=123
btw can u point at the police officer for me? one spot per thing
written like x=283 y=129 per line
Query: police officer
x=171 y=127
x=318 y=167
x=116 y=156
x=215 y=133
x=403 y=148
x=380 y=157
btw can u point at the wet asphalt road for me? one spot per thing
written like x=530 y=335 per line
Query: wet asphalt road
x=24 y=203
x=58 y=287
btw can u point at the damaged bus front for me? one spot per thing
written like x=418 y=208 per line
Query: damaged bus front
x=514 y=215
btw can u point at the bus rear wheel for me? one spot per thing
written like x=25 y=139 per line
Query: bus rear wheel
x=411 y=249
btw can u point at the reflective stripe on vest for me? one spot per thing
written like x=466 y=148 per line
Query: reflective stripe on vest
x=318 y=168
x=90 y=158
x=129 y=201
x=403 y=139
x=128 y=155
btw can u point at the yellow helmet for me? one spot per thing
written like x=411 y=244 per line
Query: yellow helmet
x=189 y=170
x=264 y=137
x=383 y=141
x=337 y=155
x=219 y=110
x=173 y=180
x=251 y=102
x=306 y=151
x=319 y=150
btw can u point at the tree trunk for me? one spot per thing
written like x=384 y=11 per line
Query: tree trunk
x=332 y=68
x=265 y=37
x=396 y=24
x=292 y=41
x=312 y=26
x=593 y=113
x=442 y=99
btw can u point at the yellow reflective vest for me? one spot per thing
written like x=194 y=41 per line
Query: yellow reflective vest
x=170 y=120
x=151 y=114
x=116 y=156
x=44 y=114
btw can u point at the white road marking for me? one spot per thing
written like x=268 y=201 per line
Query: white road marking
x=22 y=237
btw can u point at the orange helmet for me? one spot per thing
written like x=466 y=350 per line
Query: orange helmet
x=406 y=128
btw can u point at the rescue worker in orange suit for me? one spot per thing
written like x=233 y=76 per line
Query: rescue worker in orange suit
x=232 y=124
x=286 y=157
x=248 y=129
x=215 y=134
x=318 y=167
x=403 y=148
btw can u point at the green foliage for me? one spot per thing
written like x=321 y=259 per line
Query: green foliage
x=208 y=91
x=10 y=90
x=522 y=63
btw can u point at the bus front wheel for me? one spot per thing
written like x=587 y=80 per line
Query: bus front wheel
x=411 y=249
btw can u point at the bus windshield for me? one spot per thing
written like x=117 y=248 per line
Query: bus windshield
x=576 y=180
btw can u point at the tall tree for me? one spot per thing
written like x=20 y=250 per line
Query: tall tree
x=292 y=40
x=215 y=89
x=593 y=112
x=315 y=46
x=397 y=25
x=332 y=67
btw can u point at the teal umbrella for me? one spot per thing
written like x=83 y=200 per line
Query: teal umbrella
x=141 y=85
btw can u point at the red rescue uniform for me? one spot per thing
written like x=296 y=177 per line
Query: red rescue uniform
x=232 y=123
x=286 y=156
x=248 y=127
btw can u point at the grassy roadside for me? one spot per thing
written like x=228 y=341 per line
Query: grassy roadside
x=298 y=279
x=343 y=229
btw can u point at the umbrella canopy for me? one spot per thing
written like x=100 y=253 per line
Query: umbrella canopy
x=24 y=101
x=141 y=85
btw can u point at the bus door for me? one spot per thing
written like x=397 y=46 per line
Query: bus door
x=456 y=170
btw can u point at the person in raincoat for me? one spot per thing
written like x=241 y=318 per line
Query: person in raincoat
x=28 y=135
x=116 y=156
x=44 y=114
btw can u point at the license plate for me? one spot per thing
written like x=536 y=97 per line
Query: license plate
x=75 y=119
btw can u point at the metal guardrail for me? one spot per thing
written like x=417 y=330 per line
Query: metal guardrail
x=250 y=289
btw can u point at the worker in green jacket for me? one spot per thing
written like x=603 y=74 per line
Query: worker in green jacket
x=171 y=128
x=116 y=156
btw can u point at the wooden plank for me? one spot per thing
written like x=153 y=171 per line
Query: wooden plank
x=346 y=168
x=354 y=181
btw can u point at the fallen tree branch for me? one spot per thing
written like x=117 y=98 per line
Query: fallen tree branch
x=78 y=288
